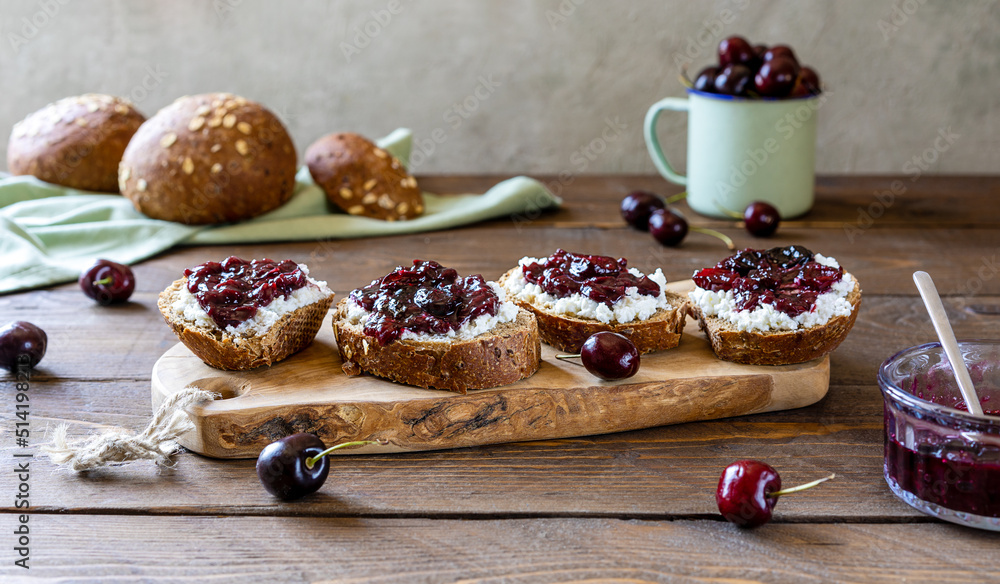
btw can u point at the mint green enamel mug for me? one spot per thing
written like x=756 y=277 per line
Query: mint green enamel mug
x=742 y=150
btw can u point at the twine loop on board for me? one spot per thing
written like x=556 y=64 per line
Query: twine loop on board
x=157 y=442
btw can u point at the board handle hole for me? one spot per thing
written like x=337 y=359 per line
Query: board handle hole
x=227 y=388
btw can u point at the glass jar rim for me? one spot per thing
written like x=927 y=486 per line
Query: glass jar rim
x=891 y=389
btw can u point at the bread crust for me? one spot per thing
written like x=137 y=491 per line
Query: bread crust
x=362 y=179
x=211 y=158
x=76 y=142
x=507 y=354
x=290 y=334
x=568 y=333
x=778 y=347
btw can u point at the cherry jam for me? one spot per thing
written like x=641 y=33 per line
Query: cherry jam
x=424 y=298
x=786 y=278
x=232 y=292
x=943 y=462
x=601 y=278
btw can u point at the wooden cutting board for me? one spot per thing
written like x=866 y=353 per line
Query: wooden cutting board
x=309 y=392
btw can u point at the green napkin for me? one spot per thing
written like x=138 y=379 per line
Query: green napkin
x=49 y=234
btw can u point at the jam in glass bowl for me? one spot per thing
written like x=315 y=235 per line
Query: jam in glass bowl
x=939 y=458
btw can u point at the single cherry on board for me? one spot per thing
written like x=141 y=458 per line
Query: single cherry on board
x=22 y=345
x=748 y=491
x=296 y=465
x=108 y=282
x=608 y=355
x=761 y=219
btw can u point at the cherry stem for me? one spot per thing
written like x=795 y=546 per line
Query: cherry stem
x=728 y=212
x=312 y=460
x=677 y=197
x=800 y=487
x=684 y=78
x=725 y=238
x=568 y=357
x=104 y=281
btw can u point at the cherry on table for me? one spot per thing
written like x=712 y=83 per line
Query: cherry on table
x=668 y=226
x=761 y=219
x=637 y=206
x=296 y=465
x=748 y=491
x=108 y=282
x=22 y=345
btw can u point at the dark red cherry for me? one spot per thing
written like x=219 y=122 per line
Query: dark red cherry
x=761 y=219
x=22 y=346
x=638 y=205
x=776 y=77
x=705 y=81
x=610 y=356
x=108 y=282
x=735 y=50
x=668 y=226
x=807 y=83
x=282 y=468
x=783 y=51
x=734 y=80
x=759 y=51
x=744 y=492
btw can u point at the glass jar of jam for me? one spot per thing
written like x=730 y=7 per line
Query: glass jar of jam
x=939 y=458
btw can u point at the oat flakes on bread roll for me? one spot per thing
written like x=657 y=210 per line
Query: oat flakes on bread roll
x=778 y=306
x=240 y=314
x=363 y=179
x=572 y=298
x=76 y=142
x=424 y=325
x=211 y=158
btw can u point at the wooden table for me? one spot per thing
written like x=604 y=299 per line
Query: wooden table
x=631 y=507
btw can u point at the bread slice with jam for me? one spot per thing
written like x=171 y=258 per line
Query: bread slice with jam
x=425 y=326
x=238 y=315
x=574 y=296
x=775 y=307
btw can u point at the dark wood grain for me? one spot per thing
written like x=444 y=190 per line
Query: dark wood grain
x=935 y=201
x=627 y=507
x=94 y=549
x=669 y=471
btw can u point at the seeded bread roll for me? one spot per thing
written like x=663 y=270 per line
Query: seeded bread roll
x=76 y=142
x=363 y=179
x=212 y=158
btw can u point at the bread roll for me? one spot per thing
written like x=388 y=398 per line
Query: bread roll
x=363 y=179
x=76 y=142
x=211 y=158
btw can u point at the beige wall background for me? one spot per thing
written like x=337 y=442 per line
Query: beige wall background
x=509 y=86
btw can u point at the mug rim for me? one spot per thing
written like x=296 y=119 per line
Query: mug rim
x=739 y=98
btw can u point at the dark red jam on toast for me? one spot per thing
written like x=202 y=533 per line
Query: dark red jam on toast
x=424 y=298
x=232 y=292
x=787 y=278
x=601 y=278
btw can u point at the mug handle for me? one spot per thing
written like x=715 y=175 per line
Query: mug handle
x=677 y=104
